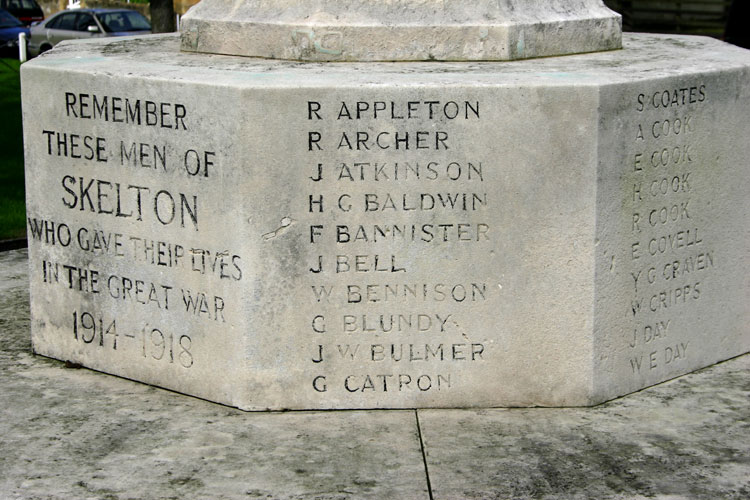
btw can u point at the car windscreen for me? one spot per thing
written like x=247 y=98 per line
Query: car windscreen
x=8 y=21
x=123 y=21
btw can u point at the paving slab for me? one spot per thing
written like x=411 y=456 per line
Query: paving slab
x=67 y=432
x=687 y=438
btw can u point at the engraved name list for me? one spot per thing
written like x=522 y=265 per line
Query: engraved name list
x=391 y=196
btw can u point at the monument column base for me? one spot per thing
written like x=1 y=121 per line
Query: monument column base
x=275 y=235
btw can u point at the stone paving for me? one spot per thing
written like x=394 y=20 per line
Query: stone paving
x=67 y=432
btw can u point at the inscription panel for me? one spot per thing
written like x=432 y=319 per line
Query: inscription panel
x=129 y=272
x=674 y=276
x=416 y=252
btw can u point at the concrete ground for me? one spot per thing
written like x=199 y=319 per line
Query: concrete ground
x=67 y=432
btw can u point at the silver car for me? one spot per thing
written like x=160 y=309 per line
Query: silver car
x=85 y=23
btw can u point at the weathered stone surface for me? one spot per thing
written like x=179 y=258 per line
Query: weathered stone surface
x=577 y=228
x=686 y=438
x=71 y=433
x=400 y=30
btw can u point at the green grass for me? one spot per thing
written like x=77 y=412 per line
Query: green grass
x=12 y=203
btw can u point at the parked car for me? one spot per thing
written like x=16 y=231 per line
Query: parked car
x=27 y=11
x=85 y=23
x=10 y=28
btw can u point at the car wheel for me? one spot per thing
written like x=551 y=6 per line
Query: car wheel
x=44 y=48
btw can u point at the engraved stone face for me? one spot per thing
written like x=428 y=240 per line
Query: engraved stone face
x=267 y=234
x=400 y=30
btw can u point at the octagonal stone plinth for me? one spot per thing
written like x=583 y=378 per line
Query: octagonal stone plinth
x=272 y=235
x=400 y=30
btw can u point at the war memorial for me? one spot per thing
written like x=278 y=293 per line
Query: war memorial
x=396 y=204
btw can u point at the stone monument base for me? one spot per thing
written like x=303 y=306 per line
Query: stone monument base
x=276 y=235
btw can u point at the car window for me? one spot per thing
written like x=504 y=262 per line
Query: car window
x=28 y=4
x=123 y=21
x=64 y=22
x=52 y=23
x=83 y=22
